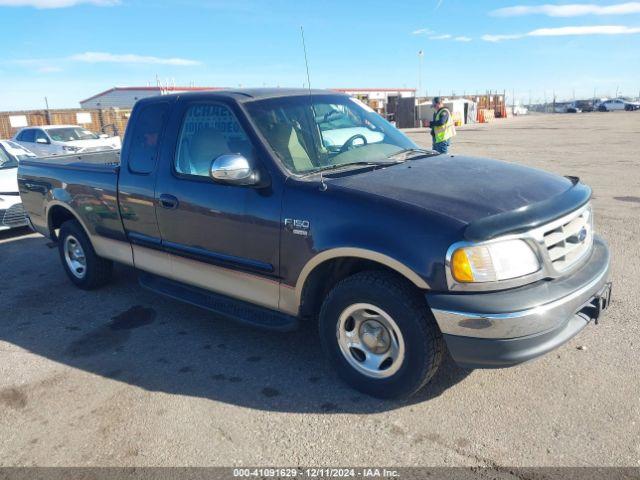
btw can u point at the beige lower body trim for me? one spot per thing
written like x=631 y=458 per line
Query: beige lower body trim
x=115 y=250
x=242 y=286
x=289 y=302
x=239 y=285
x=152 y=261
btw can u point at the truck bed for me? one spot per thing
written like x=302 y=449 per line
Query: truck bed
x=108 y=159
x=86 y=185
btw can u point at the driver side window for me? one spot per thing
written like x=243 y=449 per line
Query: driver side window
x=208 y=131
x=40 y=135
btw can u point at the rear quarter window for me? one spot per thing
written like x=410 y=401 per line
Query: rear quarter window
x=27 y=136
x=145 y=141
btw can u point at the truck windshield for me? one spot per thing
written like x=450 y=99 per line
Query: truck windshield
x=6 y=160
x=70 y=134
x=312 y=133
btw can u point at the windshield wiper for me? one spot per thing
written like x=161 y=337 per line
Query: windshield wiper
x=342 y=165
x=411 y=153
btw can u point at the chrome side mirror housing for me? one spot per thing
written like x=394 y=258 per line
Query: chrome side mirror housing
x=233 y=169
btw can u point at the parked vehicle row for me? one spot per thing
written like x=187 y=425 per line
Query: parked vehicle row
x=605 y=105
x=280 y=206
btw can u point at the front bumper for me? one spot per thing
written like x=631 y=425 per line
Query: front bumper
x=500 y=329
x=12 y=214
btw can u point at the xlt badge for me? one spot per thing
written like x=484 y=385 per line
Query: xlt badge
x=296 y=226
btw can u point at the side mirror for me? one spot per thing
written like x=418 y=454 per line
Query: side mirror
x=103 y=135
x=42 y=141
x=233 y=169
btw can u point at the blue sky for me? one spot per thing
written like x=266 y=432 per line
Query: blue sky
x=68 y=50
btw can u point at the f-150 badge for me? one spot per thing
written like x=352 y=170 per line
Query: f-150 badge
x=296 y=226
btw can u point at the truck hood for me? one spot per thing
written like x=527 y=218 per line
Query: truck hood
x=112 y=142
x=462 y=188
x=9 y=180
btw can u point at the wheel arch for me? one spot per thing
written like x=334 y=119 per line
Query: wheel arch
x=327 y=268
x=57 y=214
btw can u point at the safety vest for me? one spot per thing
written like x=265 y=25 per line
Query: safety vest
x=444 y=132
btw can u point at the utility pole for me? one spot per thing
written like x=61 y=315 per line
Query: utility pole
x=420 y=57
x=46 y=112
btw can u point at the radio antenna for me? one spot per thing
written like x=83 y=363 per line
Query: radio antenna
x=323 y=186
x=306 y=61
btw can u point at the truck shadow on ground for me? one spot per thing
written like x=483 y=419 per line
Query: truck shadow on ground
x=125 y=333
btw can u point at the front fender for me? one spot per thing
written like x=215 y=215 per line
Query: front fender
x=407 y=239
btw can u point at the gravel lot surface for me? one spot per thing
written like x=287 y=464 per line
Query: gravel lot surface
x=122 y=376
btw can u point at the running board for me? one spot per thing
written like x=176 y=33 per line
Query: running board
x=236 y=310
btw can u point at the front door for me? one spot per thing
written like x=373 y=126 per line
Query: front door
x=222 y=238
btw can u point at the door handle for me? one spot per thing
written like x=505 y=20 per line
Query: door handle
x=168 y=201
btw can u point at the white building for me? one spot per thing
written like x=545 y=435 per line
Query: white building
x=379 y=98
x=380 y=94
x=125 y=97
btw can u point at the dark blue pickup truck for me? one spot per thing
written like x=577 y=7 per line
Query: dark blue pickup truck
x=276 y=207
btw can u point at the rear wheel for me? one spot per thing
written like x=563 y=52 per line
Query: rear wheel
x=379 y=334
x=81 y=263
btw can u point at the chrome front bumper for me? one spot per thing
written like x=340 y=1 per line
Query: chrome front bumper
x=14 y=215
x=508 y=327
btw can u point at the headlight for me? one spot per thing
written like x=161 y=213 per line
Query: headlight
x=493 y=262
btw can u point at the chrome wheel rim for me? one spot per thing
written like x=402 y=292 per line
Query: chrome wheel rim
x=75 y=257
x=370 y=340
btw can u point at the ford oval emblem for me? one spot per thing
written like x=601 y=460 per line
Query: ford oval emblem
x=582 y=234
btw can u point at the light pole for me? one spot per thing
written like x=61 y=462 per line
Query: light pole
x=420 y=57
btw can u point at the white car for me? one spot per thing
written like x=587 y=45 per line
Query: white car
x=12 y=213
x=47 y=140
x=611 y=105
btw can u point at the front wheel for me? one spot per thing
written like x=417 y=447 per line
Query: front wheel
x=380 y=335
x=81 y=263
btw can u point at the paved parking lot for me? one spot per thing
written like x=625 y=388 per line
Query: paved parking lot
x=121 y=376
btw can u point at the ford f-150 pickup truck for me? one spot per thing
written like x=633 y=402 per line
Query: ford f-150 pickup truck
x=277 y=206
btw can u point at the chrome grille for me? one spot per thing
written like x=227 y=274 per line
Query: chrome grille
x=14 y=216
x=570 y=241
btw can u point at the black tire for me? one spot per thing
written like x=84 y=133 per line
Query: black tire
x=398 y=298
x=97 y=270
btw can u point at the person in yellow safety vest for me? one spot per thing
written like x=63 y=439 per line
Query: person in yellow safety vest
x=442 y=127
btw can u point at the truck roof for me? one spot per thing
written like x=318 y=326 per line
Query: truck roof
x=250 y=94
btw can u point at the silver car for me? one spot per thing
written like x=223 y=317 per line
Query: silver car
x=48 y=140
